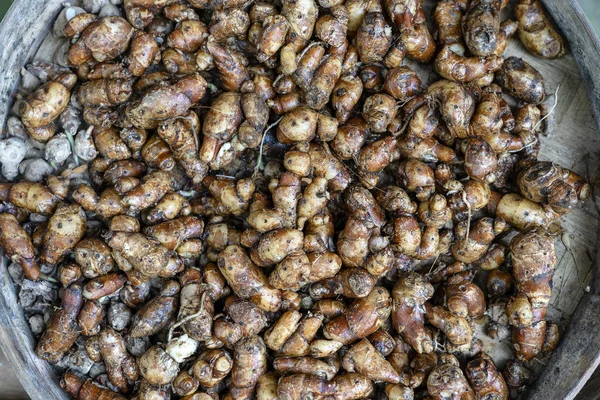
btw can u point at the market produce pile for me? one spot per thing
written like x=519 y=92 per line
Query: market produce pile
x=243 y=199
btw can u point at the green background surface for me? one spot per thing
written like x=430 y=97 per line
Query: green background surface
x=4 y=5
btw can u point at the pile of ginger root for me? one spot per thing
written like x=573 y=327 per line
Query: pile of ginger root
x=263 y=200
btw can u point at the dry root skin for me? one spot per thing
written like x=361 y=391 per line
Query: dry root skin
x=246 y=280
x=81 y=389
x=447 y=381
x=365 y=359
x=362 y=318
x=18 y=246
x=536 y=32
x=452 y=66
x=534 y=260
x=408 y=313
x=62 y=329
x=485 y=379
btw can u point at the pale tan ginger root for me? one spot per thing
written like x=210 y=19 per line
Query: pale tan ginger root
x=68 y=273
x=196 y=306
x=456 y=105
x=520 y=212
x=62 y=329
x=17 y=245
x=313 y=201
x=90 y=318
x=398 y=392
x=482 y=232
x=243 y=319
x=464 y=298
x=301 y=386
x=408 y=314
x=350 y=138
x=551 y=184
x=346 y=94
x=246 y=279
x=435 y=211
x=395 y=200
x=285 y=193
x=362 y=318
x=363 y=358
x=65 y=229
x=173 y=233
x=366 y=217
x=298 y=270
x=329 y=167
x=153 y=187
x=212 y=366
x=447 y=381
x=485 y=379
x=249 y=363
x=350 y=282
x=418 y=177
x=521 y=80
x=157 y=154
x=185 y=384
x=517 y=376
x=292 y=333
x=105 y=92
x=110 y=145
x=451 y=64
x=318 y=233
x=421 y=366
x=271 y=36
x=481 y=161
x=168 y=208
x=102 y=40
x=324 y=368
x=379 y=110
x=103 y=286
x=143 y=53
x=229 y=63
x=457 y=329
x=299 y=125
x=266 y=387
x=274 y=246
x=157 y=367
x=230 y=197
x=41 y=108
x=325 y=77
x=536 y=32
x=33 y=197
x=109 y=346
x=409 y=238
x=145 y=258
x=534 y=261
x=350 y=386
x=402 y=83
x=156 y=313
x=448 y=20
x=81 y=389
x=481 y=26
x=160 y=103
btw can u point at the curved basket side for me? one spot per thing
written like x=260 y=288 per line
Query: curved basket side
x=22 y=32
x=578 y=354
